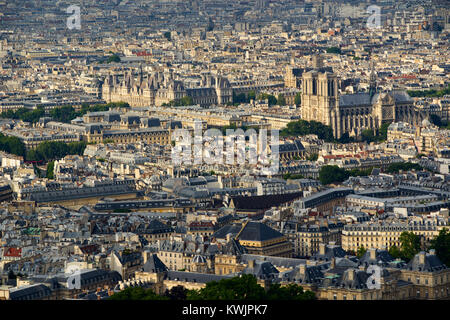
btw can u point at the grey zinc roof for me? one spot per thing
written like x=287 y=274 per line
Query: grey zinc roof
x=382 y=257
x=262 y=270
x=356 y=99
x=253 y=231
x=432 y=263
x=194 y=277
x=154 y=264
x=30 y=292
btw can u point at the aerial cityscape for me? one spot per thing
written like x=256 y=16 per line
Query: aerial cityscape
x=224 y=150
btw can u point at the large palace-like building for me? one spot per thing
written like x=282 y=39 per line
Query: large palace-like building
x=351 y=113
x=159 y=88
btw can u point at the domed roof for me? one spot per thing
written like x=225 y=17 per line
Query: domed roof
x=199 y=259
x=426 y=123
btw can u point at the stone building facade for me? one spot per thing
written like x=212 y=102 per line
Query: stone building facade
x=351 y=113
x=159 y=88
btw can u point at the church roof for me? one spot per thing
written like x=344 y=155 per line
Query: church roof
x=357 y=99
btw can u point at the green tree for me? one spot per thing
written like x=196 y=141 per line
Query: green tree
x=50 y=169
x=404 y=166
x=368 y=135
x=360 y=252
x=113 y=58
x=313 y=157
x=137 y=293
x=432 y=93
x=409 y=245
x=176 y=293
x=63 y=114
x=290 y=292
x=281 y=101
x=335 y=50
x=269 y=97
x=332 y=174
x=51 y=150
x=25 y=114
x=12 y=145
x=395 y=252
x=298 y=99
x=442 y=246
x=303 y=127
x=251 y=95
x=237 y=288
x=383 y=131
x=345 y=138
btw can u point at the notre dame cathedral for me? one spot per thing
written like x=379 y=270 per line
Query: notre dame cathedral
x=351 y=113
x=159 y=88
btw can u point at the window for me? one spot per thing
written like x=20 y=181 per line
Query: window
x=334 y=297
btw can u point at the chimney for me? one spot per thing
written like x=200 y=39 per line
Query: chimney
x=228 y=237
x=351 y=274
x=333 y=263
x=373 y=253
x=422 y=256
x=322 y=248
x=302 y=268
x=144 y=256
x=251 y=264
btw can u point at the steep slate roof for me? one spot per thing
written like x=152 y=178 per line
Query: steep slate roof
x=262 y=270
x=30 y=292
x=276 y=261
x=154 y=264
x=382 y=257
x=432 y=263
x=194 y=277
x=233 y=247
x=356 y=99
x=331 y=251
x=154 y=227
x=253 y=231
x=264 y=202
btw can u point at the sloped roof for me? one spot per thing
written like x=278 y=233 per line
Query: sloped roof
x=263 y=202
x=253 y=231
x=356 y=99
x=154 y=264
x=431 y=263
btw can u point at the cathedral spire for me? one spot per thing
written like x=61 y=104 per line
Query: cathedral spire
x=373 y=79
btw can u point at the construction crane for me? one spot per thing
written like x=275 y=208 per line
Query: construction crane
x=240 y=231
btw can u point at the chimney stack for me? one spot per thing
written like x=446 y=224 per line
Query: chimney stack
x=322 y=248
x=251 y=264
x=302 y=268
x=333 y=263
x=351 y=274
x=422 y=256
x=373 y=253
